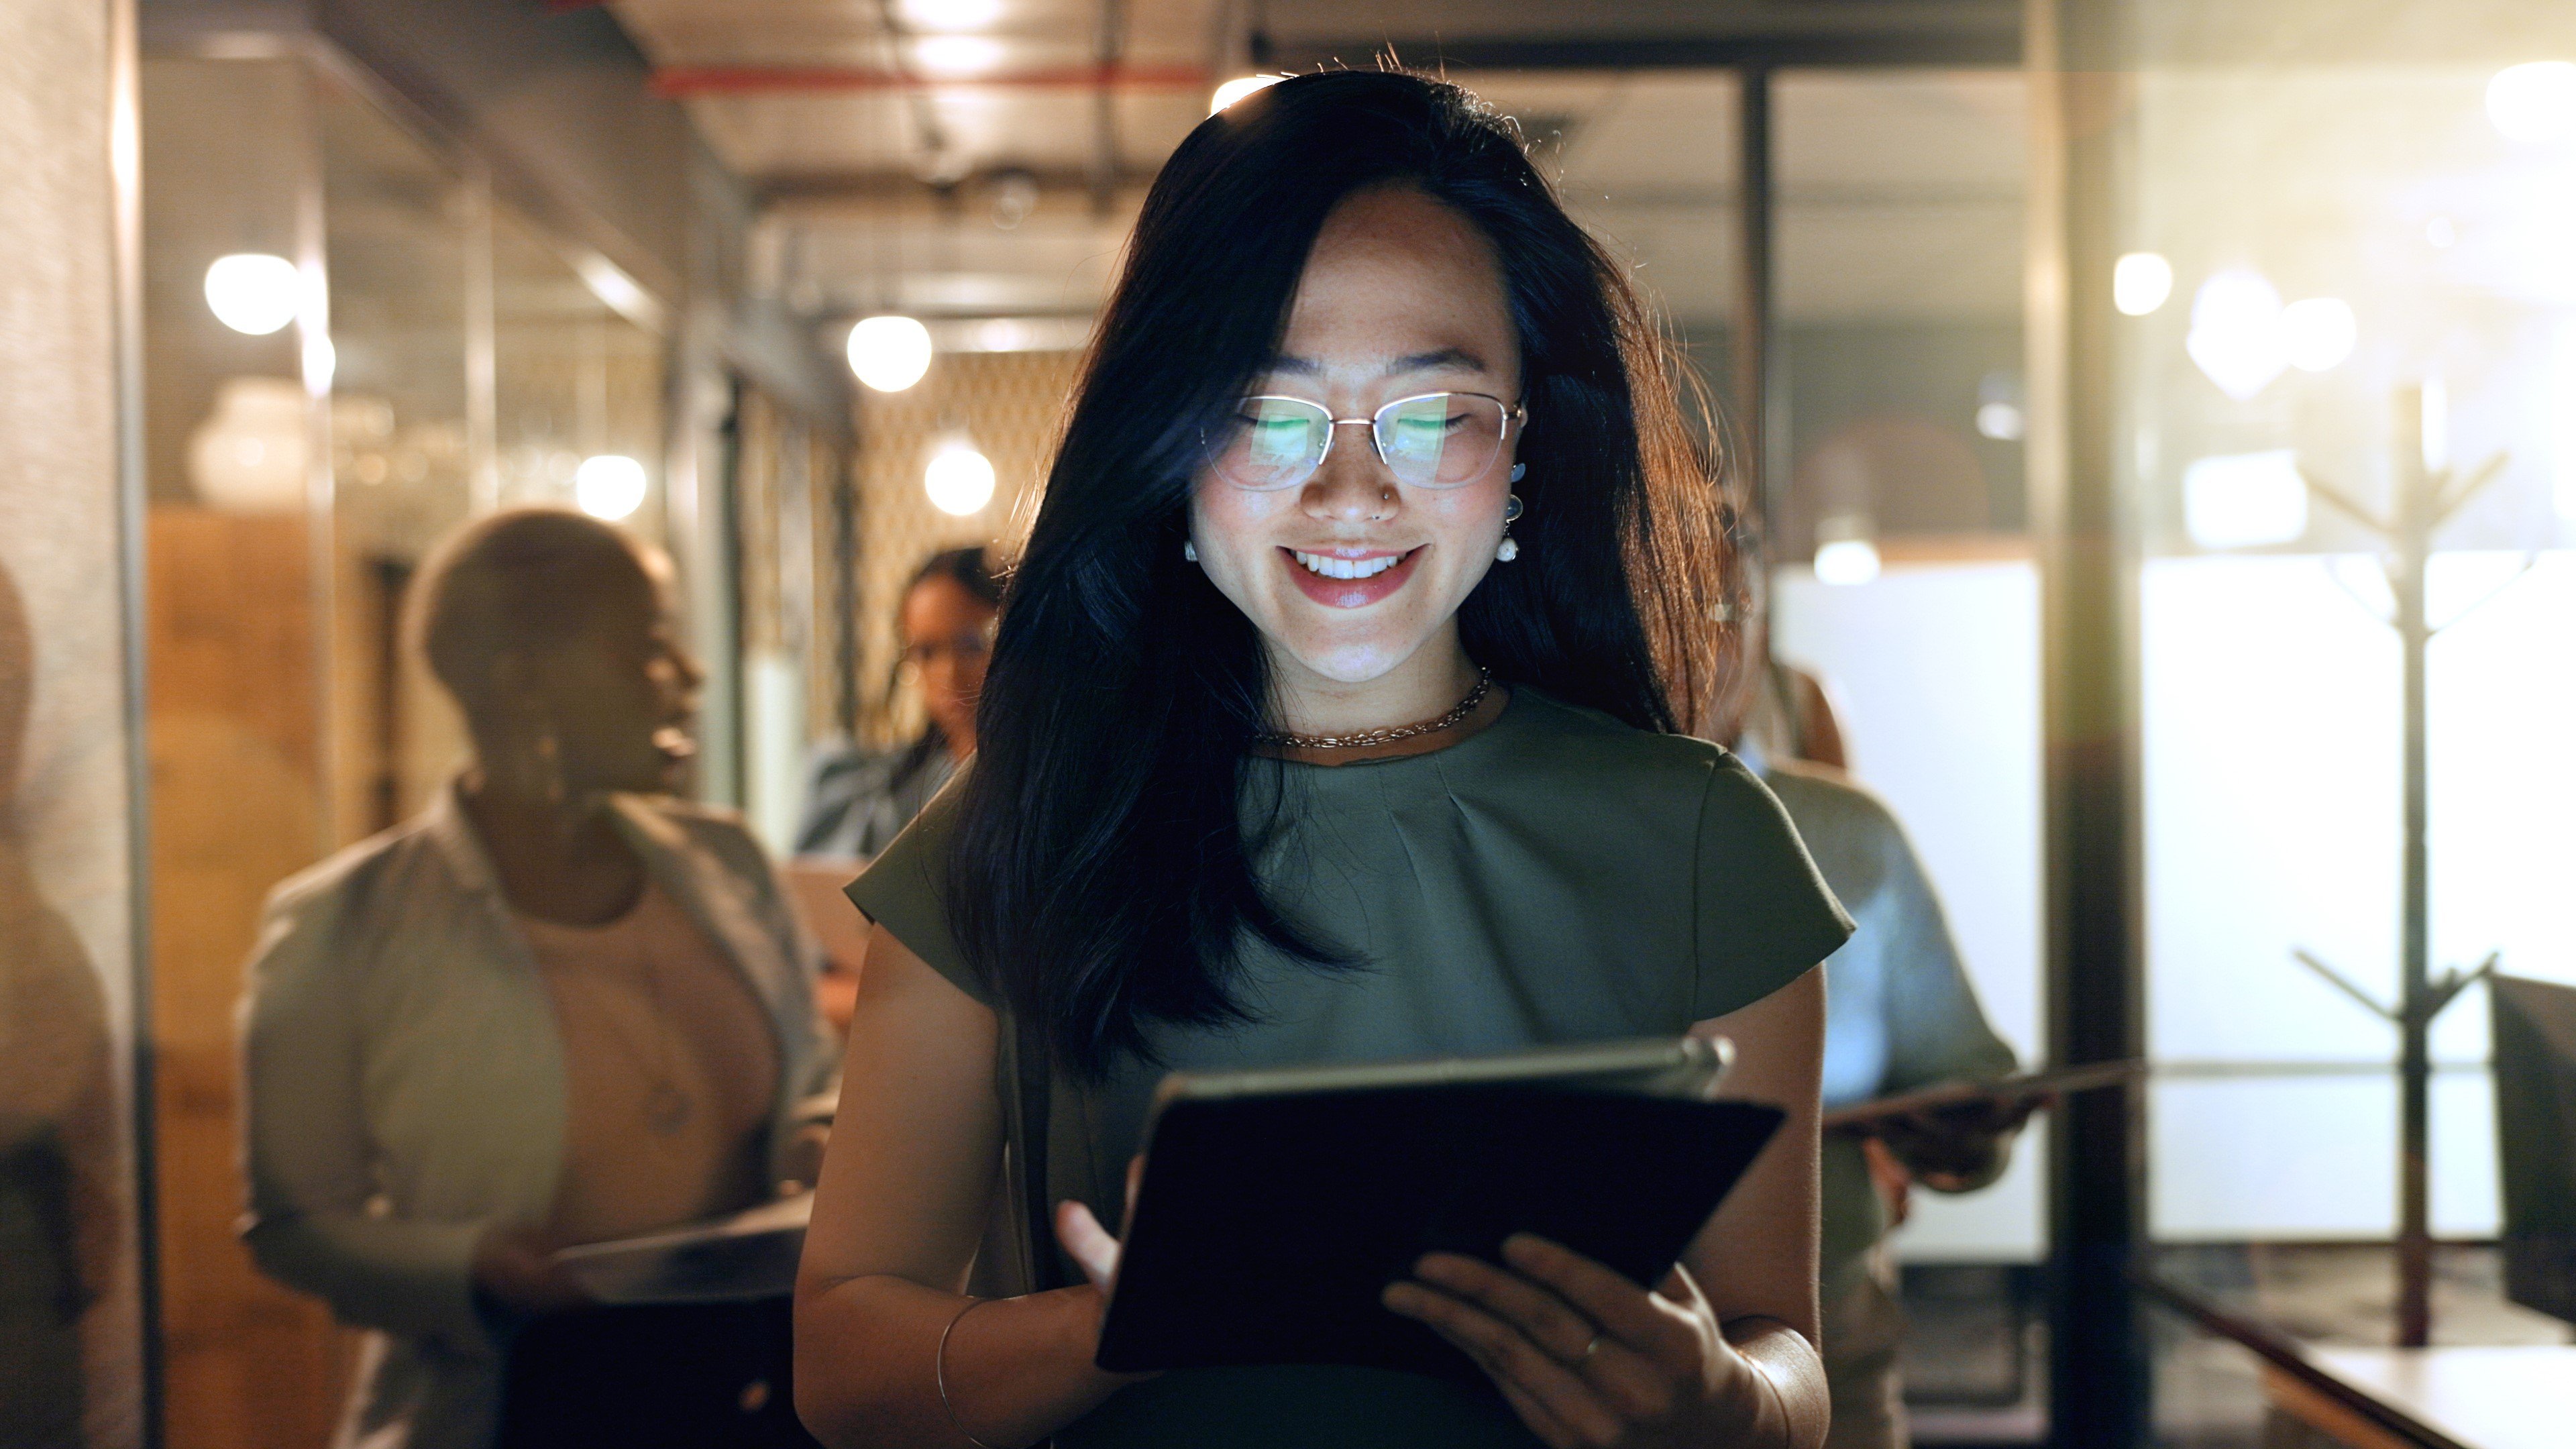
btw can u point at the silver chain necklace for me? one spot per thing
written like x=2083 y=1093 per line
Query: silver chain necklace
x=1464 y=708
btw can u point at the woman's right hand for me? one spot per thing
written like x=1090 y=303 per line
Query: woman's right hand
x=516 y=1267
x=1090 y=1245
x=905 y=1191
x=1087 y=1242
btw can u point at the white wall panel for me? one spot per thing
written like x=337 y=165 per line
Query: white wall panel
x=2272 y=759
x=1935 y=670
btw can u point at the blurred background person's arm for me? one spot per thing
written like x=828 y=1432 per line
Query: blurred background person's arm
x=311 y=1166
x=1937 y=1033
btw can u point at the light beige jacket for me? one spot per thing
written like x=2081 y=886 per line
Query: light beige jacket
x=405 y=1085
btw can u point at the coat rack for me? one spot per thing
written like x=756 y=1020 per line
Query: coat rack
x=2428 y=493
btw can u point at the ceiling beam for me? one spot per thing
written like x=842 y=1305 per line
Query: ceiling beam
x=684 y=81
x=806 y=191
x=881 y=188
x=1975 y=44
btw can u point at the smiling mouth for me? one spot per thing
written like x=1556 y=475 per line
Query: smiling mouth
x=1348 y=568
x=1351 y=583
x=675 y=743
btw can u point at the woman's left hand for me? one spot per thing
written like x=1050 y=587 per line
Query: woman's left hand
x=1583 y=1355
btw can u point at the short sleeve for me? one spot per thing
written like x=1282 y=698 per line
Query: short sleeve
x=905 y=890
x=1936 y=1030
x=1764 y=916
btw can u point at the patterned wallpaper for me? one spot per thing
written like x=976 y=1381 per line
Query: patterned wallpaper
x=1011 y=404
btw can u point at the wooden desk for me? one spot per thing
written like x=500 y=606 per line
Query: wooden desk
x=2518 y=1397
x=2505 y=1397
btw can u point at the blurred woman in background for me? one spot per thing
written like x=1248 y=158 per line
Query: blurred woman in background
x=559 y=1007
x=860 y=801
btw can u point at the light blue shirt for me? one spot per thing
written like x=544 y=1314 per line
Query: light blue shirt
x=1899 y=1012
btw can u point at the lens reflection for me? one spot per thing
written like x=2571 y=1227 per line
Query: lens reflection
x=1435 y=440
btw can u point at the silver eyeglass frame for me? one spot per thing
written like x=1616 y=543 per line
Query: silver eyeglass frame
x=1515 y=416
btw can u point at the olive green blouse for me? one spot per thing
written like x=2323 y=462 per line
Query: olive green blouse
x=1555 y=877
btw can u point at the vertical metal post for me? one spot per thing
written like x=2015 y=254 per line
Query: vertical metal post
x=1110 y=50
x=1755 y=358
x=2084 y=534
x=318 y=364
x=482 y=349
x=124 y=242
x=845 y=587
x=2413 y=535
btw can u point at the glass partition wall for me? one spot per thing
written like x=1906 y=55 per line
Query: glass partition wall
x=1903 y=583
x=2338 y=430
x=351 y=346
x=235 y=656
x=2372 y=298
x=475 y=369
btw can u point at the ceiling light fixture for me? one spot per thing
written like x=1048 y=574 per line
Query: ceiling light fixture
x=253 y=292
x=609 y=486
x=955 y=57
x=2236 y=334
x=1999 y=404
x=889 y=353
x=1846 y=554
x=950 y=14
x=2140 y=283
x=2534 y=103
x=959 y=479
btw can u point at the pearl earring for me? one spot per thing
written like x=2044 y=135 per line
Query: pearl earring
x=1510 y=548
x=1189 y=550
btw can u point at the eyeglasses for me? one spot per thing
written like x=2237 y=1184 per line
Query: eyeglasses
x=1436 y=440
x=973 y=644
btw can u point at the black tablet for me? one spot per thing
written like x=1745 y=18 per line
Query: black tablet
x=1277 y=1205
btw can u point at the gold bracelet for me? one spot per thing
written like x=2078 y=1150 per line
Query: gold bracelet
x=939 y=1373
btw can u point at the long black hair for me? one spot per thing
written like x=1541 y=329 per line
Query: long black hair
x=1101 y=875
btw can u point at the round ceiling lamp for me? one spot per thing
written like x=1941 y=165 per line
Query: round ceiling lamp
x=2236 y=337
x=609 y=486
x=253 y=292
x=2140 y=283
x=2534 y=103
x=889 y=353
x=959 y=479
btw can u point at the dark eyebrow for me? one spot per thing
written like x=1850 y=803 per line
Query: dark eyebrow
x=1411 y=362
x=1445 y=357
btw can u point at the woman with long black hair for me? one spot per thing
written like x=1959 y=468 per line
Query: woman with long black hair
x=1336 y=714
